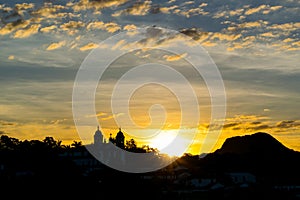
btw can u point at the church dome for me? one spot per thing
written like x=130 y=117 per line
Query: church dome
x=120 y=134
x=98 y=136
x=98 y=132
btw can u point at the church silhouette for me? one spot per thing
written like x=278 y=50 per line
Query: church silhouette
x=118 y=141
x=111 y=150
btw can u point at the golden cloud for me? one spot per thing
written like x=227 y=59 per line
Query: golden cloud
x=72 y=26
x=95 y=5
x=47 y=29
x=49 y=11
x=287 y=26
x=236 y=12
x=208 y=43
x=223 y=36
x=296 y=43
x=167 y=10
x=138 y=9
x=95 y=25
x=89 y=46
x=235 y=46
x=265 y=9
x=10 y=27
x=253 y=24
x=174 y=57
x=23 y=33
x=255 y=10
x=130 y=27
x=287 y=40
x=24 y=6
x=112 y=27
x=11 y=57
x=271 y=9
x=56 y=45
x=192 y=12
x=268 y=34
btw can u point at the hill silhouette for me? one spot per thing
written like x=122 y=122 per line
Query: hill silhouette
x=262 y=143
x=260 y=154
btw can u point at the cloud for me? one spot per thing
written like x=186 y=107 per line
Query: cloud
x=48 y=29
x=96 y=4
x=194 y=11
x=56 y=45
x=11 y=57
x=208 y=43
x=270 y=9
x=247 y=25
x=227 y=13
x=103 y=116
x=72 y=27
x=24 y=33
x=137 y=9
x=111 y=116
x=110 y=27
x=297 y=43
x=230 y=125
x=89 y=46
x=167 y=10
x=268 y=34
x=13 y=26
x=130 y=27
x=255 y=10
x=100 y=114
x=174 y=57
x=196 y=34
x=288 y=124
x=224 y=36
x=50 y=11
x=24 y=6
x=58 y=121
x=7 y=123
x=291 y=26
x=253 y=123
x=253 y=24
x=236 y=12
x=95 y=25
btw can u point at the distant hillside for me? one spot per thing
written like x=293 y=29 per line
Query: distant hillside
x=261 y=143
x=260 y=154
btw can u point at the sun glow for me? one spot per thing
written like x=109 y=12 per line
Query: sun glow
x=165 y=138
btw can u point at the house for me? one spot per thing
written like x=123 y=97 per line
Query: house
x=242 y=177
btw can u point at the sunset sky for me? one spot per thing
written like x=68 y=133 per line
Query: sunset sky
x=254 y=43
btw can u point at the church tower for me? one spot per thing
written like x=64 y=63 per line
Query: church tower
x=120 y=139
x=98 y=137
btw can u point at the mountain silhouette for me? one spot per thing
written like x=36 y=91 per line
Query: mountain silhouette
x=260 y=154
x=261 y=143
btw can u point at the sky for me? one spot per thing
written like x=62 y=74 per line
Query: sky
x=255 y=45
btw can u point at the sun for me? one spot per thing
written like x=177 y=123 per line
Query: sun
x=163 y=142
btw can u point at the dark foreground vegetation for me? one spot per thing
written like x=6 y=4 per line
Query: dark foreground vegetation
x=247 y=167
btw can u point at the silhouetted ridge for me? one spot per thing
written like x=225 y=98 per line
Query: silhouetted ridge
x=256 y=143
x=260 y=154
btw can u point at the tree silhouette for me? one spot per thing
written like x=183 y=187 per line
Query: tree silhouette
x=76 y=144
x=8 y=143
x=52 y=143
x=131 y=145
